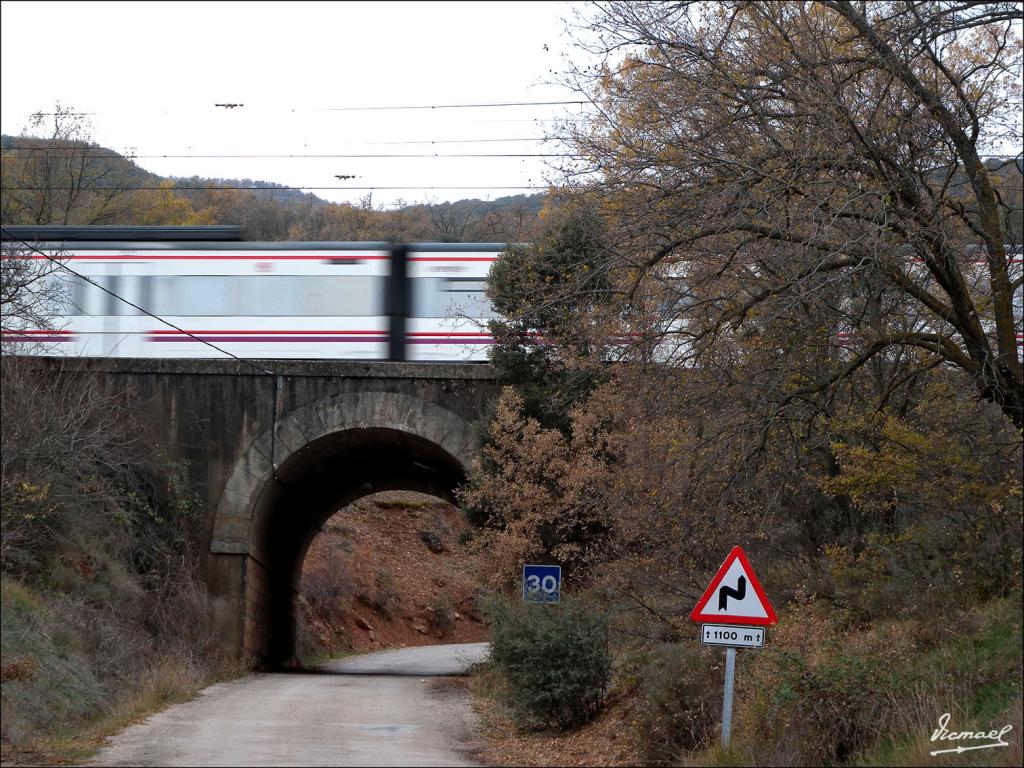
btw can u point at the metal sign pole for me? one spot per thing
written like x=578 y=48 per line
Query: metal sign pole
x=730 y=671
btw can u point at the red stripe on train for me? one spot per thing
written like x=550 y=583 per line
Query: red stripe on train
x=267 y=332
x=255 y=257
x=216 y=257
x=37 y=336
x=338 y=338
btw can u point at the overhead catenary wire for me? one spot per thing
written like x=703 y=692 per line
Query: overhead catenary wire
x=483 y=140
x=279 y=189
x=456 y=141
x=110 y=154
x=241 y=108
x=472 y=105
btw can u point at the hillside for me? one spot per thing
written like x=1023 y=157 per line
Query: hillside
x=390 y=570
x=96 y=185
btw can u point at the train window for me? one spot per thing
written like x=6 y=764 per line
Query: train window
x=56 y=295
x=202 y=296
x=112 y=305
x=145 y=294
x=80 y=291
x=310 y=295
x=268 y=295
x=449 y=297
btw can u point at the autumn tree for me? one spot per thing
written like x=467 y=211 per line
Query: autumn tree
x=165 y=206
x=795 y=274
x=813 y=174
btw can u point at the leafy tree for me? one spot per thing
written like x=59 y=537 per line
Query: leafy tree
x=165 y=206
x=785 y=308
x=548 y=294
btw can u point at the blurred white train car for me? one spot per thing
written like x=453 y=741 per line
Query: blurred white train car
x=326 y=300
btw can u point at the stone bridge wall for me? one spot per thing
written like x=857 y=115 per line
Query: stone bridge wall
x=333 y=431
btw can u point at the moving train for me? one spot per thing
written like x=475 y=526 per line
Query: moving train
x=219 y=294
x=202 y=291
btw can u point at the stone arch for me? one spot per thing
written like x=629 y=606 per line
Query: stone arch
x=327 y=454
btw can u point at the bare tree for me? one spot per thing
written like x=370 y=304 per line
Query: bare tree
x=817 y=166
x=449 y=221
x=509 y=224
x=32 y=294
x=56 y=174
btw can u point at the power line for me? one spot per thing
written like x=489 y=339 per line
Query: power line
x=133 y=305
x=531 y=139
x=453 y=141
x=270 y=189
x=378 y=156
x=392 y=108
x=478 y=105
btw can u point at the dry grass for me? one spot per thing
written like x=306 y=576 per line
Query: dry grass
x=173 y=679
x=916 y=749
x=77 y=672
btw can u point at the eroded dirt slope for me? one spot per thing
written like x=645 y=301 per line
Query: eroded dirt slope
x=390 y=570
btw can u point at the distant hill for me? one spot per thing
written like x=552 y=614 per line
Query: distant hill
x=280 y=193
x=110 y=188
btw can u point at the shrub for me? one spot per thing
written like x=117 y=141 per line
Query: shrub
x=678 y=703
x=442 y=612
x=383 y=594
x=328 y=588
x=826 y=693
x=554 y=659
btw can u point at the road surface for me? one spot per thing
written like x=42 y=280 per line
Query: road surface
x=388 y=708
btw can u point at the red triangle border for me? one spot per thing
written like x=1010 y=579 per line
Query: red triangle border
x=698 y=614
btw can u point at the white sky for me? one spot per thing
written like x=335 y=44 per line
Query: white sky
x=151 y=73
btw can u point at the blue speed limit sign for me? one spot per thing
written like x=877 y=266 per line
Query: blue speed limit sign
x=542 y=583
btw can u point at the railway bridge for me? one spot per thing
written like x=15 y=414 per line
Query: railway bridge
x=274 y=448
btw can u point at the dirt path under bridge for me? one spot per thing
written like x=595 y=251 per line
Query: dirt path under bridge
x=389 y=708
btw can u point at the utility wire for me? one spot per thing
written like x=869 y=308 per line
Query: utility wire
x=111 y=155
x=266 y=189
x=393 y=108
x=106 y=290
x=537 y=139
x=453 y=141
x=478 y=105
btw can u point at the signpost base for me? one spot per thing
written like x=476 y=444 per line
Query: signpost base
x=730 y=672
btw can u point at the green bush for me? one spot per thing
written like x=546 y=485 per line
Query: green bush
x=554 y=659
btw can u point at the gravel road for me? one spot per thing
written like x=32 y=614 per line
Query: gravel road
x=387 y=708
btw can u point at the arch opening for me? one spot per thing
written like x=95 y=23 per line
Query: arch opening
x=316 y=481
x=390 y=570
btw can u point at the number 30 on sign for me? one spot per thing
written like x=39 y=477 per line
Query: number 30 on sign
x=542 y=583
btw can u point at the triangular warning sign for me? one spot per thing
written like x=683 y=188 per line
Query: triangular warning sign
x=735 y=596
